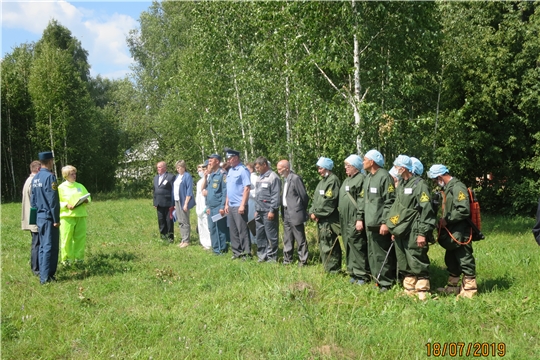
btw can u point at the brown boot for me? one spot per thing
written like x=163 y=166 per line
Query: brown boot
x=422 y=288
x=452 y=287
x=409 y=284
x=468 y=287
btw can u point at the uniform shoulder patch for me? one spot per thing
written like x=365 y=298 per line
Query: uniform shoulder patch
x=391 y=188
x=461 y=196
x=394 y=219
x=225 y=179
x=328 y=193
x=424 y=197
x=54 y=186
x=362 y=193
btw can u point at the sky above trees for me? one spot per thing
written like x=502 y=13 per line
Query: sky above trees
x=101 y=27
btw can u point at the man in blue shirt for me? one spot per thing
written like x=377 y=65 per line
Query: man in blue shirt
x=236 y=205
x=47 y=202
x=216 y=194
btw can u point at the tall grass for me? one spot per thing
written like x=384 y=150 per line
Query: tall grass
x=136 y=297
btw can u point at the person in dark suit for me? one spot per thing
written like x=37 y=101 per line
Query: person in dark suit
x=294 y=210
x=163 y=202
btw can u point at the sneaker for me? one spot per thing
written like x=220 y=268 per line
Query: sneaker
x=352 y=280
x=360 y=282
x=383 y=289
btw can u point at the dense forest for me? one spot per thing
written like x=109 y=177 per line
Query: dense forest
x=447 y=82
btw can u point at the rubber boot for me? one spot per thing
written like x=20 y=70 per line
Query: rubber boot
x=468 y=287
x=452 y=287
x=422 y=288
x=409 y=284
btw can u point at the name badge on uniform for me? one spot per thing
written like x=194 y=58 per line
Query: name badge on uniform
x=408 y=191
x=264 y=185
x=373 y=190
x=321 y=192
x=346 y=188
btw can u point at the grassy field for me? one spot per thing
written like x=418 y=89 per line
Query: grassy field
x=136 y=297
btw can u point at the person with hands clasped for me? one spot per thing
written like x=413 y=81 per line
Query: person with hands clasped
x=324 y=211
x=410 y=220
x=72 y=218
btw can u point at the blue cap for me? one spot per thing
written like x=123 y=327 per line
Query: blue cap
x=213 y=156
x=326 y=163
x=404 y=161
x=355 y=161
x=437 y=170
x=375 y=156
x=46 y=155
x=417 y=166
x=229 y=153
x=205 y=164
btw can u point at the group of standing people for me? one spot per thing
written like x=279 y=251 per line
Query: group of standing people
x=55 y=215
x=224 y=195
x=386 y=218
x=387 y=224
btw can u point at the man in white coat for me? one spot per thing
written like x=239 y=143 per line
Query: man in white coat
x=35 y=166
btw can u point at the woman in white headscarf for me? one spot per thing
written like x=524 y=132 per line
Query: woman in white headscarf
x=200 y=209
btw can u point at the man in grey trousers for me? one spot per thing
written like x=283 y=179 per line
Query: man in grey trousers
x=294 y=208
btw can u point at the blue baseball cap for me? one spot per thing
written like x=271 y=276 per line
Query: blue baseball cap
x=214 y=156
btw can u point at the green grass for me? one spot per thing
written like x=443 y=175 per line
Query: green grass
x=136 y=297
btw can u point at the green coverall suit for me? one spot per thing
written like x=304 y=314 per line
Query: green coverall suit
x=378 y=195
x=456 y=210
x=413 y=261
x=355 y=242
x=325 y=208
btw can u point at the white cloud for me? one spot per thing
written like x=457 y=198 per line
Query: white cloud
x=102 y=34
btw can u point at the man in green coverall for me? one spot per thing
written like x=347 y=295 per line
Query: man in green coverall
x=455 y=233
x=410 y=233
x=324 y=211
x=378 y=195
x=355 y=241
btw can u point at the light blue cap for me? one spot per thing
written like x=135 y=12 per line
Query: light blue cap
x=404 y=161
x=375 y=156
x=393 y=172
x=355 y=161
x=437 y=170
x=417 y=166
x=326 y=163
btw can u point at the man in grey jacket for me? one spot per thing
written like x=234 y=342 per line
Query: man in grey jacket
x=294 y=209
x=268 y=189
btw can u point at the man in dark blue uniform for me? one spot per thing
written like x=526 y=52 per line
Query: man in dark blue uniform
x=45 y=199
x=216 y=193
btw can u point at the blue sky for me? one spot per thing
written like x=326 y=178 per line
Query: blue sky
x=100 y=26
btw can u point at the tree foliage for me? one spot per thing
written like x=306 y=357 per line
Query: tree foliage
x=453 y=83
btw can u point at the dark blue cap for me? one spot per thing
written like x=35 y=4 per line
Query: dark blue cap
x=46 y=155
x=230 y=153
x=214 y=156
x=205 y=164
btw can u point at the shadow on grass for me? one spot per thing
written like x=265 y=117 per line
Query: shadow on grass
x=97 y=265
x=496 y=284
x=439 y=278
